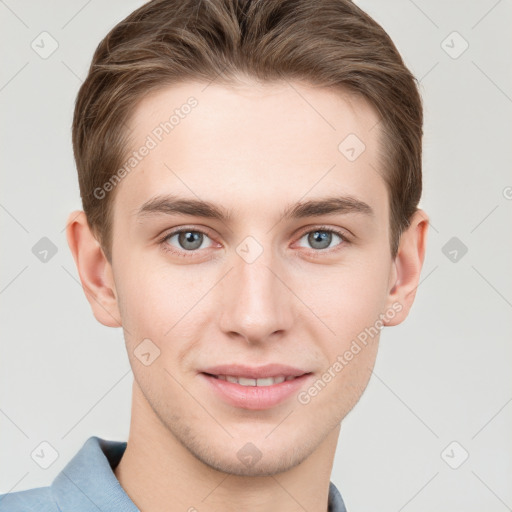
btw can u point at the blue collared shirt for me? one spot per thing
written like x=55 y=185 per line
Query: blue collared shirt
x=88 y=483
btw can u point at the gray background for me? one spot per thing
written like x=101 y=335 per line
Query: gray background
x=443 y=376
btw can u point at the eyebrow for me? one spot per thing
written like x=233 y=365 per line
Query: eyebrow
x=172 y=205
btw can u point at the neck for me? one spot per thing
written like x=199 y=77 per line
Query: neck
x=159 y=474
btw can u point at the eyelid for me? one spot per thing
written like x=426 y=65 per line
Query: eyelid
x=345 y=234
x=174 y=231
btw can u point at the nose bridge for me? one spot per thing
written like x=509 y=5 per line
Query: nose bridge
x=255 y=302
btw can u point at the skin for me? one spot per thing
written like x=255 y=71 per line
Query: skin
x=252 y=149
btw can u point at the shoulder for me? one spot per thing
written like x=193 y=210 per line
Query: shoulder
x=31 y=500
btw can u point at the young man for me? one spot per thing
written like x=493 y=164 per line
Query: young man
x=250 y=174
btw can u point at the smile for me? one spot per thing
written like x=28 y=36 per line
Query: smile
x=245 y=381
x=255 y=387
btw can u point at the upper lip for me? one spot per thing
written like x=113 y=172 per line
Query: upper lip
x=254 y=372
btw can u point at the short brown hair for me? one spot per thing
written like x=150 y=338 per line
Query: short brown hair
x=330 y=43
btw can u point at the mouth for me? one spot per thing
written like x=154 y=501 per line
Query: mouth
x=247 y=381
x=255 y=388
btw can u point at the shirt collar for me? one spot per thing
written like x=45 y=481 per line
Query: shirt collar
x=88 y=481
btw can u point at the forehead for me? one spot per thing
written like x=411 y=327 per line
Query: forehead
x=276 y=142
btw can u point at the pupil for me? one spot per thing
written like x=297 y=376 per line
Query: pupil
x=190 y=240
x=320 y=237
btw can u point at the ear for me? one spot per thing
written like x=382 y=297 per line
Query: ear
x=407 y=267
x=94 y=270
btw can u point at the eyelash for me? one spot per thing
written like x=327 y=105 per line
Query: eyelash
x=187 y=254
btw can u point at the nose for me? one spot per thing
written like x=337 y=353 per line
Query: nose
x=256 y=300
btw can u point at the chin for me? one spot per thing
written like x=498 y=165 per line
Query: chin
x=268 y=465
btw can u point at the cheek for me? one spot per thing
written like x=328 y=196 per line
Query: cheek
x=347 y=298
x=147 y=298
x=350 y=306
x=157 y=299
x=155 y=296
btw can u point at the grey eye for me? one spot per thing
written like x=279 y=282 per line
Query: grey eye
x=188 y=240
x=320 y=238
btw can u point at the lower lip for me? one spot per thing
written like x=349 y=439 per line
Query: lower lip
x=255 y=397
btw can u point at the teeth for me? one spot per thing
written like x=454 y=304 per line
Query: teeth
x=244 y=381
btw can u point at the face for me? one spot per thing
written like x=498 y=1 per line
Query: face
x=278 y=276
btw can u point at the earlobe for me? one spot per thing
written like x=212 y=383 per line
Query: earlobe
x=407 y=266
x=94 y=270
